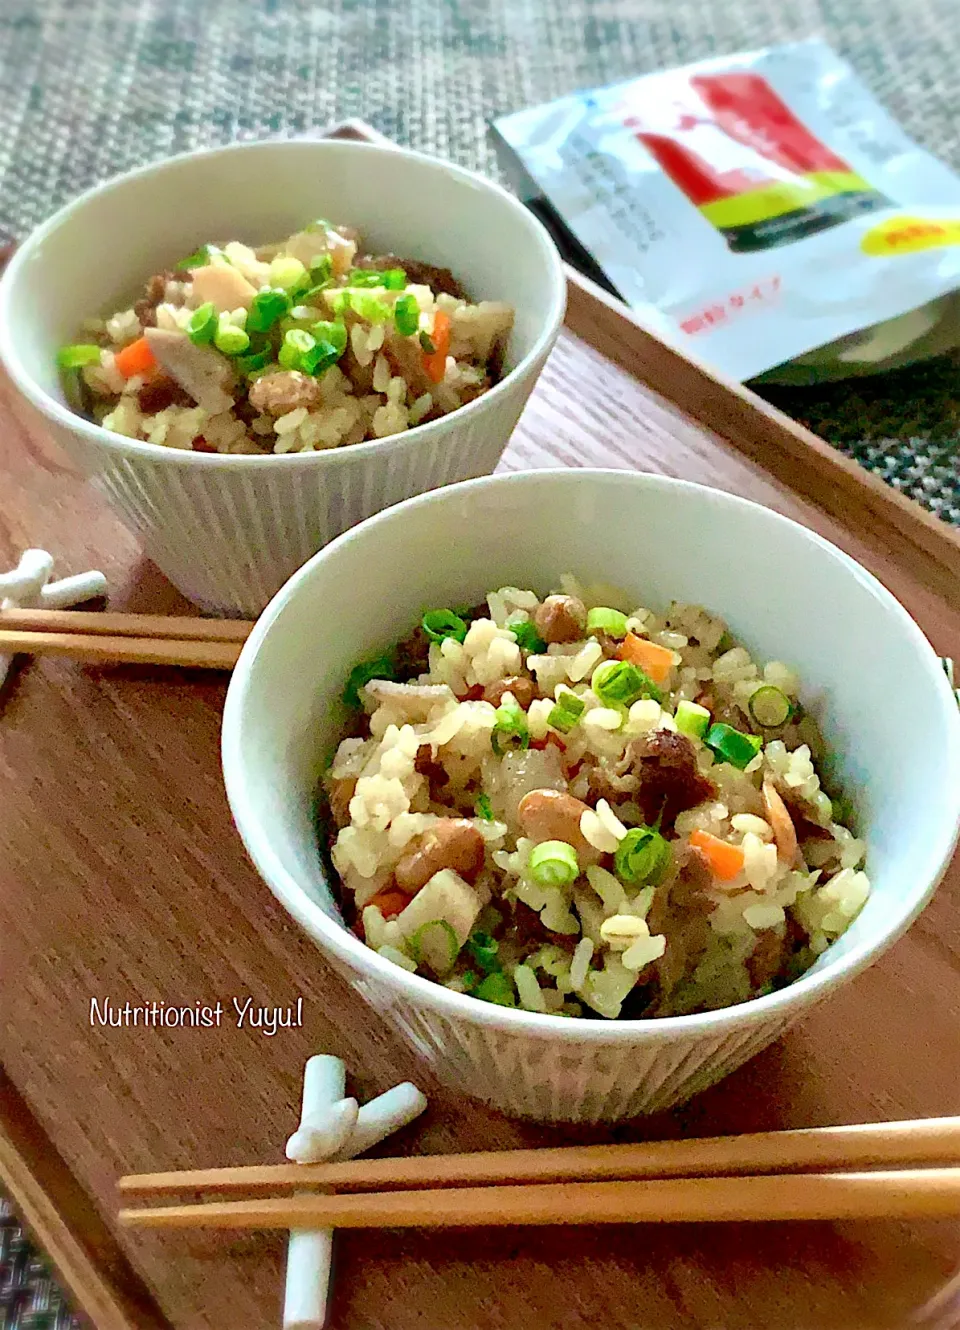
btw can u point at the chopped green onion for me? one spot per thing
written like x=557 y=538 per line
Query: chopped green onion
x=732 y=745
x=406 y=315
x=528 y=639
x=604 y=620
x=618 y=682
x=770 y=707
x=393 y=279
x=319 y=358
x=498 y=988
x=369 y=307
x=692 y=719
x=484 y=948
x=78 y=355
x=292 y=324
x=360 y=676
x=339 y=301
x=203 y=324
x=553 y=863
x=483 y=808
x=843 y=811
x=568 y=710
x=642 y=857
x=265 y=309
x=288 y=273
x=509 y=729
x=470 y=979
x=230 y=339
x=321 y=224
x=333 y=331
x=312 y=296
x=321 y=268
x=296 y=343
x=435 y=944
x=255 y=362
x=426 y=341
x=361 y=277
x=439 y=624
x=198 y=259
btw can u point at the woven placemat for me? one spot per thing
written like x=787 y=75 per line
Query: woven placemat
x=92 y=87
x=29 y=1300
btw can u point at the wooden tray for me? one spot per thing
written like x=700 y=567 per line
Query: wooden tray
x=122 y=878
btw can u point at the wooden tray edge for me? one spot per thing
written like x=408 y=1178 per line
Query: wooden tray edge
x=799 y=458
x=67 y=1226
x=808 y=464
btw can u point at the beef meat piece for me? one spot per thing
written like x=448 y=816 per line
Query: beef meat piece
x=435 y=773
x=670 y=782
x=245 y=410
x=156 y=286
x=412 y=656
x=764 y=962
x=612 y=785
x=440 y=280
x=146 y=312
x=524 y=924
x=159 y=393
x=339 y=794
x=146 y=308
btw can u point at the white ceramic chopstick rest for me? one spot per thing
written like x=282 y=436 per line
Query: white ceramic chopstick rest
x=332 y=1127
x=28 y=587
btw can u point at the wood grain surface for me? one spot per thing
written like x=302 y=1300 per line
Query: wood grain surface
x=121 y=878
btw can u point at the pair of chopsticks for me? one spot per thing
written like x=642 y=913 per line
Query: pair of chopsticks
x=136 y=639
x=815 y=1173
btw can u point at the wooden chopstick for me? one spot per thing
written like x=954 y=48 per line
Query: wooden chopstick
x=211 y=655
x=910 y=1194
x=108 y=623
x=137 y=639
x=927 y=1141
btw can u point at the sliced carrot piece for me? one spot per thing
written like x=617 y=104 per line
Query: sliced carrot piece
x=725 y=861
x=137 y=358
x=654 y=660
x=390 y=901
x=436 y=362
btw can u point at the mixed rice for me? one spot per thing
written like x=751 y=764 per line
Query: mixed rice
x=577 y=807
x=290 y=347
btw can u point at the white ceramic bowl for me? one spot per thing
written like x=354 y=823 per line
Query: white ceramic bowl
x=868 y=672
x=229 y=530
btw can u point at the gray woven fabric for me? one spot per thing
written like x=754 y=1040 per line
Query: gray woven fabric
x=98 y=86
x=29 y=1300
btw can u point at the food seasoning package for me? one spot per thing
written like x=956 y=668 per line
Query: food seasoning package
x=754 y=208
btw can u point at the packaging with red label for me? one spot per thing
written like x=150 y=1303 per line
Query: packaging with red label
x=757 y=209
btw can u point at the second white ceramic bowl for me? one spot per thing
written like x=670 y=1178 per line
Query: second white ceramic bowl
x=868 y=673
x=229 y=530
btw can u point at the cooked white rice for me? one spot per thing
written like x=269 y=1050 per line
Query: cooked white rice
x=760 y=875
x=384 y=382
